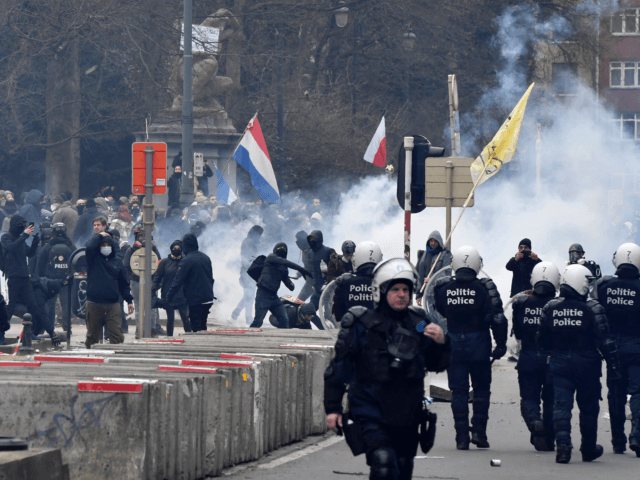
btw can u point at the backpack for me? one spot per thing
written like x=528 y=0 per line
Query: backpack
x=255 y=269
x=58 y=261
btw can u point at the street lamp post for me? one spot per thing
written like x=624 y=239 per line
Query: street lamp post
x=341 y=15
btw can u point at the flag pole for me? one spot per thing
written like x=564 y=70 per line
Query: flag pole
x=234 y=151
x=464 y=207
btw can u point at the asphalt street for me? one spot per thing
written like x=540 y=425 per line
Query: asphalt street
x=507 y=433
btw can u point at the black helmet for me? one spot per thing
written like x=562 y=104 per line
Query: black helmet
x=576 y=247
x=47 y=234
x=59 y=229
x=576 y=252
x=348 y=247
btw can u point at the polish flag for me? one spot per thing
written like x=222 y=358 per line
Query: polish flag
x=377 y=151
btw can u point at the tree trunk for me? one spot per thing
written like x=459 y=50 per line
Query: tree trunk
x=63 y=122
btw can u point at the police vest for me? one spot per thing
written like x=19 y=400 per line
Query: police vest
x=572 y=326
x=462 y=304
x=58 y=264
x=352 y=291
x=526 y=319
x=620 y=298
x=373 y=364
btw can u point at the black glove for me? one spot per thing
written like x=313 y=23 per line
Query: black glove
x=499 y=352
x=55 y=339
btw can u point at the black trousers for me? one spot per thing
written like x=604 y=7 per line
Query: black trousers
x=198 y=315
x=21 y=293
x=389 y=449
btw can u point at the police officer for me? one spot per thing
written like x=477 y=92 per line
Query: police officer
x=532 y=362
x=576 y=256
x=573 y=330
x=53 y=263
x=354 y=290
x=620 y=297
x=383 y=358
x=472 y=307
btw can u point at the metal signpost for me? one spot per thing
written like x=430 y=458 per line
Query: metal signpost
x=448 y=184
x=454 y=116
x=408 y=145
x=144 y=263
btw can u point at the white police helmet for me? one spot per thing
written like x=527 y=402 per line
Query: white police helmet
x=366 y=252
x=627 y=253
x=388 y=271
x=545 y=272
x=466 y=257
x=577 y=277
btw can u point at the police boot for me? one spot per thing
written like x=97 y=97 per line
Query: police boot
x=634 y=437
x=592 y=453
x=564 y=454
x=479 y=433
x=462 y=438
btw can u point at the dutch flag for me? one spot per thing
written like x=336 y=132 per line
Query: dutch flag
x=253 y=156
x=225 y=194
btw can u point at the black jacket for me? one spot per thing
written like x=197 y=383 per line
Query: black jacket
x=163 y=278
x=43 y=255
x=106 y=279
x=84 y=226
x=174 y=188
x=15 y=249
x=319 y=253
x=276 y=270
x=194 y=273
x=203 y=181
x=521 y=269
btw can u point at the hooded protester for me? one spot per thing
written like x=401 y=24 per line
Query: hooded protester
x=15 y=251
x=435 y=247
x=303 y=245
x=173 y=185
x=163 y=279
x=522 y=265
x=6 y=212
x=84 y=225
x=248 y=253
x=320 y=256
x=195 y=277
x=31 y=210
x=340 y=264
x=276 y=270
x=106 y=282
x=103 y=206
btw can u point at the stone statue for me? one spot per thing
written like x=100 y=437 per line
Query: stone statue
x=206 y=81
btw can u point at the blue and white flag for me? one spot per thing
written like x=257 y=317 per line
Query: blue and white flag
x=225 y=193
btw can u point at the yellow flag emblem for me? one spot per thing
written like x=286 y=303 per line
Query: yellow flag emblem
x=501 y=149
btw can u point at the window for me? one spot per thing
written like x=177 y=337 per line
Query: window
x=626 y=22
x=565 y=78
x=624 y=74
x=626 y=126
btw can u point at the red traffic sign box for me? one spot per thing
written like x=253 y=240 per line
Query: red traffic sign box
x=139 y=164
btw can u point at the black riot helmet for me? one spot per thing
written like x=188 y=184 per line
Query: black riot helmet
x=576 y=252
x=59 y=229
x=47 y=234
x=348 y=247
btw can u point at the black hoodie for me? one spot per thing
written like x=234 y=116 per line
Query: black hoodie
x=276 y=270
x=163 y=278
x=16 y=250
x=106 y=279
x=194 y=273
x=318 y=253
x=249 y=247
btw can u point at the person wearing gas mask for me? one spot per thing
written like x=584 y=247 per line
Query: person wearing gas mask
x=575 y=332
x=576 y=256
x=383 y=354
x=435 y=252
x=473 y=310
x=53 y=263
x=533 y=371
x=620 y=296
x=339 y=264
x=522 y=265
x=276 y=270
x=163 y=279
x=15 y=252
x=106 y=282
x=320 y=256
x=353 y=290
x=248 y=253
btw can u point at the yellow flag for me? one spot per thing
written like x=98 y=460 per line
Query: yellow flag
x=501 y=149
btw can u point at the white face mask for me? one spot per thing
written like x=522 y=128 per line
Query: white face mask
x=106 y=251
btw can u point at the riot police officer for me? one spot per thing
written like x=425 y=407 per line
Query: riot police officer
x=471 y=306
x=53 y=263
x=576 y=256
x=354 y=290
x=620 y=297
x=575 y=331
x=383 y=355
x=532 y=362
